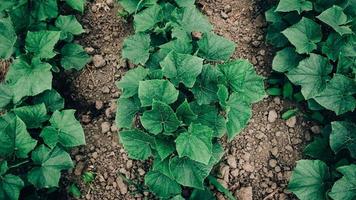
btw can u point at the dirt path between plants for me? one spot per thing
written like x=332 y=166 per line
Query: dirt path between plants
x=256 y=165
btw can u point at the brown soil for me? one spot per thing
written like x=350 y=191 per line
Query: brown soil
x=4 y=66
x=256 y=165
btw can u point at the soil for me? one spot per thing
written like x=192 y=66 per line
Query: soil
x=257 y=163
x=4 y=65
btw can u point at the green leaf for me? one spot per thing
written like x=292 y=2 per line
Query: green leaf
x=189 y=173
x=159 y=90
x=223 y=95
x=147 y=18
x=29 y=80
x=274 y=35
x=241 y=77
x=74 y=57
x=333 y=46
x=45 y=9
x=345 y=188
x=14 y=137
x=164 y=147
x=42 y=43
x=49 y=163
x=64 y=129
x=182 y=46
x=69 y=26
x=74 y=191
x=238 y=114
x=76 y=4
x=51 y=98
x=136 y=48
x=309 y=180
x=6 y=95
x=337 y=19
x=162 y=185
x=312 y=74
x=304 y=35
x=188 y=17
x=7 y=38
x=272 y=16
x=126 y=112
x=294 y=5
x=205 y=194
x=182 y=68
x=215 y=48
x=320 y=148
x=218 y=153
x=132 y=6
x=88 y=177
x=337 y=95
x=10 y=187
x=33 y=116
x=160 y=119
x=196 y=143
x=343 y=136
x=130 y=82
x=205 y=87
x=286 y=60
x=209 y=116
x=185 y=113
x=137 y=144
x=185 y=3
x=3 y=167
x=290 y=113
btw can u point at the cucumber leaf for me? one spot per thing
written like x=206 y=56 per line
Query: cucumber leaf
x=343 y=136
x=126 y=112
x=215 y=48
x=33 y=116
x=344 y=188
x=337 y=19
x=130 y=82
x=137 y=144
x=159 y=90
x=8 y=38
x=136 y=48
x=74 y=57
x=294 y=5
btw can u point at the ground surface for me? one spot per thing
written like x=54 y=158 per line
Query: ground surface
x=256 y=165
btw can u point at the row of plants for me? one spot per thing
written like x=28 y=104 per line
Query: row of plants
x=182 y=98
x=316 y=45
x=36 y=132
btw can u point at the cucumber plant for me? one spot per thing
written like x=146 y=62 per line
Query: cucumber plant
x=316 y=51
x=35 y=130
x=183 y=97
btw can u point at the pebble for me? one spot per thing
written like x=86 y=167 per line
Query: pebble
x=224 y=15
x=272 y=163
x=291 y=122
x=86 y=119
x=122 y=186
x=248 y=167
x=244 y=193
x=105 y=127
x=98 y=61
x=99 y=105
x=79 y=168
x=315 y=129
x=272 y=116
x=231 y=161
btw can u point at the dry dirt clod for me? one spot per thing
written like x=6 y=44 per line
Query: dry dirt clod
x=79 y=168
x=121 y=185
x=99 y=105
x=272 y=163
x=231 y=161
x=99 y=61
x=272 y=116
x=291 y=122
x=105 y=127
x=244 y=193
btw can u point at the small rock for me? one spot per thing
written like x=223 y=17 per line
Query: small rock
x=227 y=8
x=315 y=129
x=272 y=116
x=244 y=193
x=197 y=35
x=129 y=164
x=277 y=169
x=114 y=128
x=231 y=161
x=105 y=90
x=89 y=50
x=95 y=155
x=274 y=151
x=98 y=61
x=291 y=122
x=248 y=167
x=105 y=127
x=141 y=171
x=256 y=43
x=86 y=119
x=79 y=168
x=272 y=163
x=99 y=105
x=235 y=172
x=224 y=15
x=121 y=185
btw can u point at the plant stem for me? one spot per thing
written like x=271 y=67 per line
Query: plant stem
x=220 y=187
x=19 y=164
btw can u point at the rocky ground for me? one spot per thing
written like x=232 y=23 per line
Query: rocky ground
x=256 y=165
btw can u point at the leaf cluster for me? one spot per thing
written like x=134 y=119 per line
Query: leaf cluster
x=316 y=41
x=35 y=130
x=183 y=97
